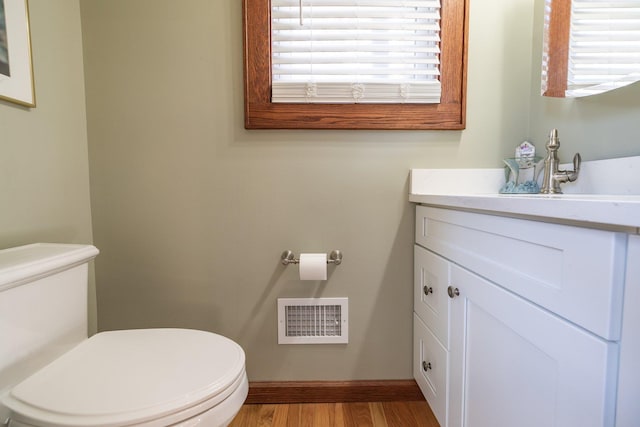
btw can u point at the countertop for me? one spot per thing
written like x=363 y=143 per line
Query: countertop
x=589 y=200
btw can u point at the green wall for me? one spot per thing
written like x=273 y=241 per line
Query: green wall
x=191 y=211
x=44 y=175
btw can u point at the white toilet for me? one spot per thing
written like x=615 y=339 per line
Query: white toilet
x=51 y=374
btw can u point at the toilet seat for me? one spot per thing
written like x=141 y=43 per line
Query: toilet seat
x=140 y=377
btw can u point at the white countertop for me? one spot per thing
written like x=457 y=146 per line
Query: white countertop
x=589 y=200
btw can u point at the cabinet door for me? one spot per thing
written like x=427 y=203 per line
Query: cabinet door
x=430 y=300
x=628 y=410
x=515 y=364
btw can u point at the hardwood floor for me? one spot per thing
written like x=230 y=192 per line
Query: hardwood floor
x=356 y=414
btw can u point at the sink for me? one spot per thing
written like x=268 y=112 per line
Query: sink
x=607 y=192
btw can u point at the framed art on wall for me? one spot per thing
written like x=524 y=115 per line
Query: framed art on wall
x=16 y=67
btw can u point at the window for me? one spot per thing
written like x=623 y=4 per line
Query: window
x=434 y=98
x=354 y=51
x=590 y=46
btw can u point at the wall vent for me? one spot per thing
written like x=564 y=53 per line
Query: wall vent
x=313 y=320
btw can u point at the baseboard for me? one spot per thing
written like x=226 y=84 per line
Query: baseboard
x=333 y=391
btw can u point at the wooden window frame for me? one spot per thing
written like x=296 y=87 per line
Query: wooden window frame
x=558 y=48
x=261 y=113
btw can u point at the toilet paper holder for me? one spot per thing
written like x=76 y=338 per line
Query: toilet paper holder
x=287 y=257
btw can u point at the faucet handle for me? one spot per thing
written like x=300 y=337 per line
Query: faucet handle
x=577 y=160
x=573 y=175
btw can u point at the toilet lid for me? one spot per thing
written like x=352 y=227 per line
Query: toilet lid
x=131 y=376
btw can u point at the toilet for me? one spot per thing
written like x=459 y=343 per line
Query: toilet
x=53 y=375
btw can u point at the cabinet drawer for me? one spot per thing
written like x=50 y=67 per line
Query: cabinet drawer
x=430 y=299
x=430 y=369
x=572 y=271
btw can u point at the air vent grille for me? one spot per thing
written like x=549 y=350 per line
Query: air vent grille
x=313 y=320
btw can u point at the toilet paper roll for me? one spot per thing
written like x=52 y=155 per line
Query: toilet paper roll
x=313 y=266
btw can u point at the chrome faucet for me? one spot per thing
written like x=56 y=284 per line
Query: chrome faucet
x=552 y=176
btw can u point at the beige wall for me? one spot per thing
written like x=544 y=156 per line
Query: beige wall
x=44 y=177
x=599 y=127
x=192 y=211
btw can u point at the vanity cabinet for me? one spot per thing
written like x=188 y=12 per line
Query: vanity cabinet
x=517 y=322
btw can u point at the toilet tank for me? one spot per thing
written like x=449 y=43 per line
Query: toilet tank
x=43 y=305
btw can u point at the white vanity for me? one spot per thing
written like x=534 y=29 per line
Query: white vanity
x=526 y=308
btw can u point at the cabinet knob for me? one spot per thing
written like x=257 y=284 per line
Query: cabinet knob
x=453 y=292
x=427 y=290
x=426 y=366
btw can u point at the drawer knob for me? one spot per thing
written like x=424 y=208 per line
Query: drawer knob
x=426 y=366
x=453 y=292
x=427 y=290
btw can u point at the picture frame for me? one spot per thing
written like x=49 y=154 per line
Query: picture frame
x=16 y=65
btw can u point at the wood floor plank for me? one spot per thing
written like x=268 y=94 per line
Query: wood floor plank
x=341 y=414
x=293 y=415
x=399 y=414
x=265 y=415
x=338 y=409
x=377 y=414
x=357 y=415
x=324 y=414
x=424 y=413
x=307 y=415
x=247 y=416
x=280 y=415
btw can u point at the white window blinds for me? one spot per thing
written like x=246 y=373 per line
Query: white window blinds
x=355 y=51
x=604 y=47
